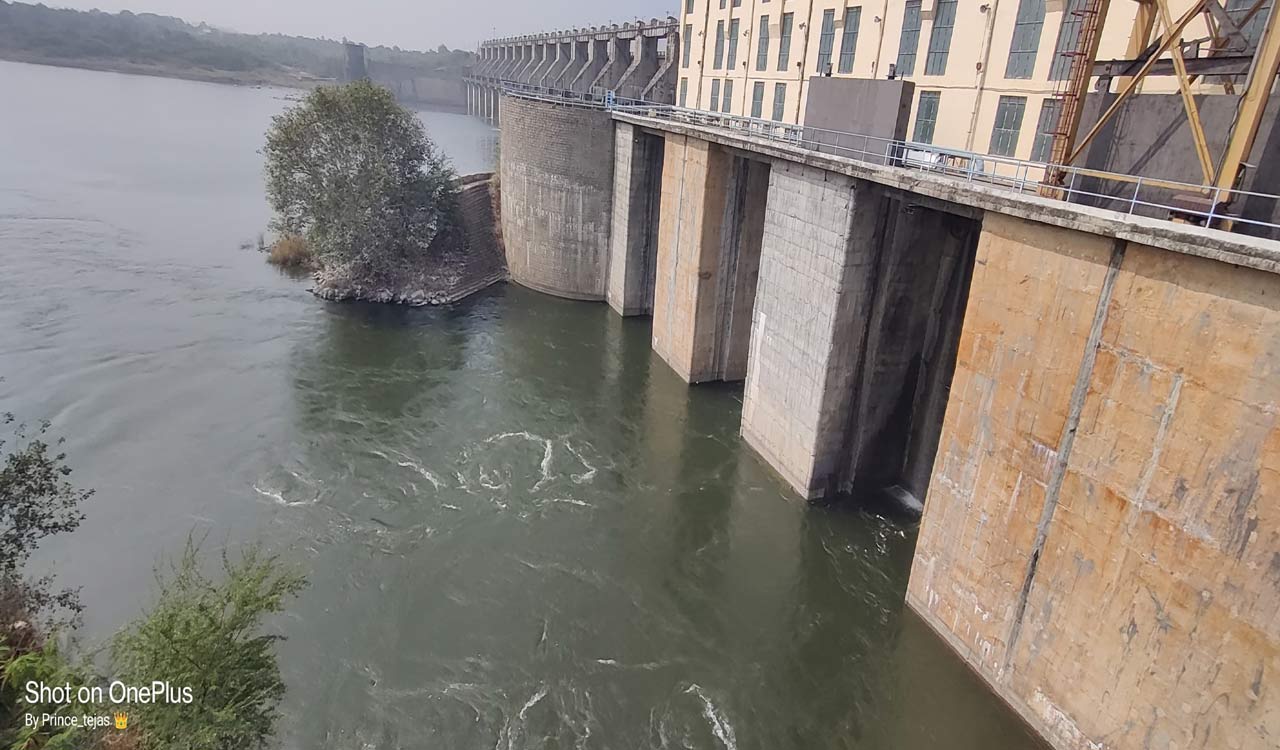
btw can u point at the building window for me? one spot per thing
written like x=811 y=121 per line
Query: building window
x=944 y=22
x=715 y=95
x=779 y=100
x=684 y=92
x=733 y=44
x=721 y=4
x=1026 y=39
x=1004 y=136
x=718 y=60
x=762 y=44
x=737 y=3
x=757 y=99
x=926 y=116
x=1068 y=40
x=910 y=39
x=826 y=41
x=784 y=43
x=726 y=105
x=849 y=42
x=688 y=7
x=1046 y=130
x=688 y=43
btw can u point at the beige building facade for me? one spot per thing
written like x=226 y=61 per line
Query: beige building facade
x=985 y=71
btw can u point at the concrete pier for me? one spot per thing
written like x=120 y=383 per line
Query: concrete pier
x=633 y=242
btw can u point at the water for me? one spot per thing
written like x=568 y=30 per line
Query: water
x=520 y=528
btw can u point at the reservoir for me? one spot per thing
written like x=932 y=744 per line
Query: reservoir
x=520 y=529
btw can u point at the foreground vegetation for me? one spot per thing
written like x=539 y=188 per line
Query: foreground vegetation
x=146 y=42
x=203 y=633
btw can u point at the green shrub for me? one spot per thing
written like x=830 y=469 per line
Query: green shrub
x=45 y=664
x=354 y=173
x=207 y=635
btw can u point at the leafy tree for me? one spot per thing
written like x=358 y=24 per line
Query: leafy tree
x=207 y=635
x=36 y=500
x=354 y=173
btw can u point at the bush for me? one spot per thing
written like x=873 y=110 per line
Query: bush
x=354 y=173
x=207 y=635
x=291 y=251
x=36 y=500
x=47 y=665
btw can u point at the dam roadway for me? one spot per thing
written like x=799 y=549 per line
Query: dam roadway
x=1083 y=401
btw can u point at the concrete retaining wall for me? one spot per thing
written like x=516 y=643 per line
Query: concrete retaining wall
x=1101 y=539
x=557 y=196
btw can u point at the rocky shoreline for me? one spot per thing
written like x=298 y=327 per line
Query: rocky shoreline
x=463 y=263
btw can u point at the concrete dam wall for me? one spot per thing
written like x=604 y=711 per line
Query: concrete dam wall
x=1085 y=401
x=557 y=196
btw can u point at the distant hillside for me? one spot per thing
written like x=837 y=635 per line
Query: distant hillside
x=163 y=45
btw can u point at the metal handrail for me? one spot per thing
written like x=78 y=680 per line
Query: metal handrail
x=1005 y=172
x=596 y=97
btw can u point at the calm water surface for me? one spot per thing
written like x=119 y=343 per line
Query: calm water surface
x=520 y=528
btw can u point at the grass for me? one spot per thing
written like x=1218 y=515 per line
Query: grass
x=291 y=251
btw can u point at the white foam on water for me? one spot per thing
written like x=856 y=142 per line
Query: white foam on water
x=409 y=463
x=720 y=726
x=586 y=476
x=533 y=700
x=278 y=498
x=544 y=466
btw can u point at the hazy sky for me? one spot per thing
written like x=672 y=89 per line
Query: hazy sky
x=412 y=24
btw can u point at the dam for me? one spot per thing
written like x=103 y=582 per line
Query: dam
x=1081 y=401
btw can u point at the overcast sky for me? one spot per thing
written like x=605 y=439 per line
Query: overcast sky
x=411 y=24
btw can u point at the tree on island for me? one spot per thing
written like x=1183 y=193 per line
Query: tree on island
x=354 y=174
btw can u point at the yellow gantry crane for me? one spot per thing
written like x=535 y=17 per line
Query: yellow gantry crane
x=1156 y=32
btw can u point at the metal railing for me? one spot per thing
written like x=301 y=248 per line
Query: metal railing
x=596 y=97
x=1127 y=194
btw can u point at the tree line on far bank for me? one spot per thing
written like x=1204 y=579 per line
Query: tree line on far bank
x=36 y=33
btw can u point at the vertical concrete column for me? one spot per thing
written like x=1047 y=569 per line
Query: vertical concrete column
x=815 y=274
x=662 y=86
x=579 y=50
x=564 y=53
x=542 y=52
x=643 y=67
x=504 y=60
x=520 y=73
x=707 y=259
x=597 y=59
x=619 y=61
x=637 y=187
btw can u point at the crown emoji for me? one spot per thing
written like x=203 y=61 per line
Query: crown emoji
x=122 y=721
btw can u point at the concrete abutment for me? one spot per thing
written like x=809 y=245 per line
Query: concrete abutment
x=557 y=195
